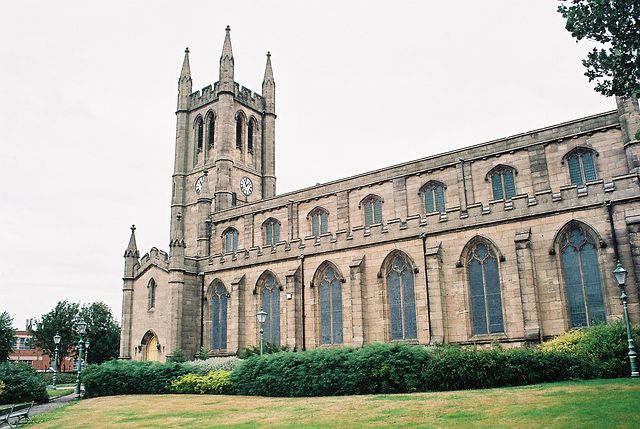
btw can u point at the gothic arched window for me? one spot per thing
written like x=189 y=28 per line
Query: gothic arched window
x=330 y=290
x=402 y=300
x=319 y=221
x=211 y=131
x=271 y=231
x=484 y=290
x=152 y=293
x=503 y=182
x=433 y=194
x=219 y=318
x=582 y=168
x=230 y=238
x=582 y=278
x=239 y=127
x=372 y=209
x=270 y=294
x=250 y=134
x=199 y=134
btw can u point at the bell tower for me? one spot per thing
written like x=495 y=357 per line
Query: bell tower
x=225 y=135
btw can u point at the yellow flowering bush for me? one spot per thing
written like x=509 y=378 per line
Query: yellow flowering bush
x=214 y=383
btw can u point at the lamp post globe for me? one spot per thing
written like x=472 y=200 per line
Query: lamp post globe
x=56 y=340
x=621 y=278
x=262 y=317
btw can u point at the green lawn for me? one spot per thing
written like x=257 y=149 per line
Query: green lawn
x=585 y=404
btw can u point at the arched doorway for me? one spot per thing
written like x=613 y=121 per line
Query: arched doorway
x=151 y=346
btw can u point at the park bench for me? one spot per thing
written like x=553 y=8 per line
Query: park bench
x=18 y=412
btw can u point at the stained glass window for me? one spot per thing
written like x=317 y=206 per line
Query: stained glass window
x=152 y=293
x=212 y=131
x=330 y=291
x=372 y=211
x=319 y=222
x=433 y=194
x=231 y=241
x=484 y=285
x=200 y=132
x=219 y=318
x=402 y=301
x=272 y=232
x=581 y=167
x=582 y=278
x=503 y=184
x=271 y=305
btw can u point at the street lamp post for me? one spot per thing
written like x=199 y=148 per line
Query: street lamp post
x=56 y=340
x=86 y=353
x=262 y=317
x=81 y=328
x=621 y=278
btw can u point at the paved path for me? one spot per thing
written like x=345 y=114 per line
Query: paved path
x=51 y=405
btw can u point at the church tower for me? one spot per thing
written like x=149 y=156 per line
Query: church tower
x=225 y=136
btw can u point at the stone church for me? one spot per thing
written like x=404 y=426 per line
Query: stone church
x=510 y=241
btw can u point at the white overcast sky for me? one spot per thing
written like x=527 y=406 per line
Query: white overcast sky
x=88 y=96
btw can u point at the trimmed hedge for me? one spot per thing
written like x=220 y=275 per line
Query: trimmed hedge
x=204 y=367
x=401 y=368
x=130 y=377
x=61 y=378
x=21 y=384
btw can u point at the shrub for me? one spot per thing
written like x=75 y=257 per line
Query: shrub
x=178 y=356
x=203 y=354
x=268 y=348
x=21 y=384
x=61 y=378
x=129 y=377
x=203 y=367
x=604 y=346
x=216 y=382
x=1 y=387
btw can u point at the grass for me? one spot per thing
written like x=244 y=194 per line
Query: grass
x=586 y=404
x=60 y=391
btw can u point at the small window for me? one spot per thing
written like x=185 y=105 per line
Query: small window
x=582 y=169
x=152 y=293
x=230 y=240
x=484 y=290
x=433 y=194
x=319 y=224
x=211 y=125
x=239 y=127
x=199 y=134
x=372 y=210
x=503 y=183
x=271 y=232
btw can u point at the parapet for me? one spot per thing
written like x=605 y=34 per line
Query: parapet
x=242 y=94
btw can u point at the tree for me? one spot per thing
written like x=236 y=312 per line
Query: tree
x=61 y=320
x=615 y=24
x=103 y=332
x=7 y=336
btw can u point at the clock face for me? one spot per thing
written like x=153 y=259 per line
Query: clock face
x=198 y=184
x=246 y=186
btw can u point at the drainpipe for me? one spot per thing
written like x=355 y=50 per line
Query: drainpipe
x=304 y=316
x=426 y=278
x=464 y=184
x=201 y=274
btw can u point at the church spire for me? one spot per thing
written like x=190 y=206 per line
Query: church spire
x=184 y=83
x=226 y=64
x=269 y=87
x=131 y=255
x=132 y=248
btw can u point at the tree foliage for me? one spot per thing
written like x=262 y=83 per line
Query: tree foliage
x=7 y=336
x=102 y=331
x=616 y=25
